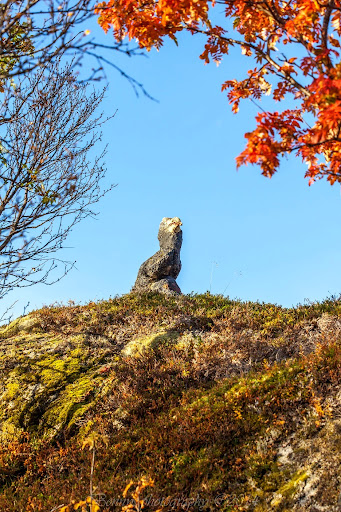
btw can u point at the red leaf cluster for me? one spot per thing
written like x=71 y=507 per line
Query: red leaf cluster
x=295 y=45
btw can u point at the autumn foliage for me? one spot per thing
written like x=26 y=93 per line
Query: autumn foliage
x=295 y=50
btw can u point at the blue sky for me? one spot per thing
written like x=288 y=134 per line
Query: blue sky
x=246 y=236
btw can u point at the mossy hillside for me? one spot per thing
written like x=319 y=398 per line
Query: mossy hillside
x=187 y=311
x=224 y=441
x=246 y=332
x=206 y=403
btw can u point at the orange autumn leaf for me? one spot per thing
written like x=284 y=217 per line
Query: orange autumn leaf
x=295 y=49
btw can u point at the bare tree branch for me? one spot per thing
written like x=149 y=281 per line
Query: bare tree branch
x=47 y=183
x=34 y=33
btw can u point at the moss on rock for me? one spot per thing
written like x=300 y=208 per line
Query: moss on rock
x=47 y=382
x=137 y=347
x=29 y=323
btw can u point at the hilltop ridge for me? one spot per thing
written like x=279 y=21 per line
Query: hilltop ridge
x=225 y=405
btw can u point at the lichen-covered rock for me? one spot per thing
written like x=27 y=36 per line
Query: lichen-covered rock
x=159 y=273
x=165 y=285
x=137 y=347
x=48 y=381
x=28 y=323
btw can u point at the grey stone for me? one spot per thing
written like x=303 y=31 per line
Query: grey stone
x=159 y=273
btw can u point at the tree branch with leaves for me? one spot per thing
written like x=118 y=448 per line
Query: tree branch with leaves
x=295 y=46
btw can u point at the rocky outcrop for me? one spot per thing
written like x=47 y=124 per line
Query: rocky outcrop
x=159 y=273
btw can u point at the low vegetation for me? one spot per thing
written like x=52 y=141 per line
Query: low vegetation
x=199 y=403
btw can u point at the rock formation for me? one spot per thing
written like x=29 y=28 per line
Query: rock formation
x=159 y=273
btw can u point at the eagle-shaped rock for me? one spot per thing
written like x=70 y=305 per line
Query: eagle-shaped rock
x=159 y=273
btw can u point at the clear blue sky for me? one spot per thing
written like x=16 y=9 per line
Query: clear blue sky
x=246 y=236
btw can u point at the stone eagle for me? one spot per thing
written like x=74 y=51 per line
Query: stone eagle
x=159 y=272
